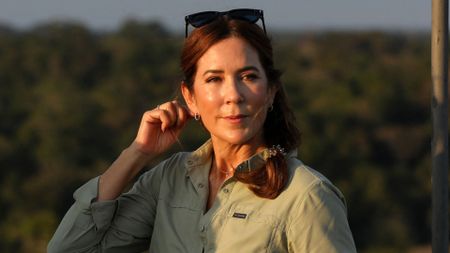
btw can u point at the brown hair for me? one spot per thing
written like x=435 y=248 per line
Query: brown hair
x=279 y=127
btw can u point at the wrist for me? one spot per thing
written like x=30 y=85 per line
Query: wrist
x=136 y=153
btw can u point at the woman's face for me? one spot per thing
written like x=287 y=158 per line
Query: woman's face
x=231 y=92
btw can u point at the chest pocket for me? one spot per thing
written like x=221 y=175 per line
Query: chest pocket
x=181 y=197
x=179 y=212
x=247 y=229
x=176 y=224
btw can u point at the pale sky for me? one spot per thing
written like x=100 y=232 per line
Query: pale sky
x=289 y=14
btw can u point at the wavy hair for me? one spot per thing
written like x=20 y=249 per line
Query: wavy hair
x=279 y=126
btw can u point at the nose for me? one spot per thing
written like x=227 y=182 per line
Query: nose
x=233 y=91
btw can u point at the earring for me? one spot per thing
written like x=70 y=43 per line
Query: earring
x=271 y=108
x=197 y=116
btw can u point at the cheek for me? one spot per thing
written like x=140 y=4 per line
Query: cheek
x=206 y=97
x=262 y=95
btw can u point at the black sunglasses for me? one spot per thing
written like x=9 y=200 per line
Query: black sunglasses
x=202 y=18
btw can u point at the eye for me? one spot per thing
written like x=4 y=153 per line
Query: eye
x=250 y=77
x=213 y=79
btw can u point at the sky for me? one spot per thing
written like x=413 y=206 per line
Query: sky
x=408 y=15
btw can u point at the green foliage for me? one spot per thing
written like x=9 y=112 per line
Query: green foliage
x=71 y=100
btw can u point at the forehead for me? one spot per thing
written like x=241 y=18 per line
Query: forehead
x=232 y=52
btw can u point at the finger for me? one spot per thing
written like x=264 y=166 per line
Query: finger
x=170 y=107
x=174 y=113
x=151 y=117
x=183 y=116
x=166 y=120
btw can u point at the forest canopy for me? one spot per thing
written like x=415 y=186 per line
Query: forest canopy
x=71 y=100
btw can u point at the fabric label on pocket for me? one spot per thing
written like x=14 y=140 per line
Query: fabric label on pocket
x=239 y=215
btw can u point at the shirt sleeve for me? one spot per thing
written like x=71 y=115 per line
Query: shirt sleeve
x=121 y=225
x=320 y=224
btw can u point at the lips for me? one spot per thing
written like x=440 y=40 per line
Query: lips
x=239 y=116
x=235 y=118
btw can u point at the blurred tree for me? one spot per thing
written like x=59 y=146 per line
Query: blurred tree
x=71 y=100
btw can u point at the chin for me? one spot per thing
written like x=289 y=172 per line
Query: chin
x=238 y=138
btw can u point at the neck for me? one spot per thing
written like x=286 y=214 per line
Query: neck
x=228 y=156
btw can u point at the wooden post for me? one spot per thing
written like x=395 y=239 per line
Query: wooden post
x=439 y=106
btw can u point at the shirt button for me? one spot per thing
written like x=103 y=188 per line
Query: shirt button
x=200 y=185
x=190 y=162
x=226 y=190
x=202 y=229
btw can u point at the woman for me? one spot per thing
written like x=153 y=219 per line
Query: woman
x=242 y=191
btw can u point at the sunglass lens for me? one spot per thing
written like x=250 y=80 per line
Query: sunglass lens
x=248 y=15
x=201 y=18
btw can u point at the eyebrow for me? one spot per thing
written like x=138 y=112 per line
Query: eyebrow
x=247 y=68
x=217 y=71
x=213 y=71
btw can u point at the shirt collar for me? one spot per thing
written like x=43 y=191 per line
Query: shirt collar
x=198 y=164
x=202 y=158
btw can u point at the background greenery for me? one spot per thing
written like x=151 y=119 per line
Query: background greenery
x=71 y=100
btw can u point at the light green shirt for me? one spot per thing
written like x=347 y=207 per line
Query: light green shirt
x=164 y=212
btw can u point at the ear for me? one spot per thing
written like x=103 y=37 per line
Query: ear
x=271 y=95
x=189 y=97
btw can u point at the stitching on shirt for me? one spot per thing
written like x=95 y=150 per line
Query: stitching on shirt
x=317 y=181
x=273 y=227
x=326 y=186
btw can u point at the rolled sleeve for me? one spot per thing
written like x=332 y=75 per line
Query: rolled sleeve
x=87 y=193
x=102 y=212
x=85 y=223
x=121 y=225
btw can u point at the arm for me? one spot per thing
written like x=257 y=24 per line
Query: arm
x=158 y=130
x=320 y=224
x=101 y=218
x=124 y=224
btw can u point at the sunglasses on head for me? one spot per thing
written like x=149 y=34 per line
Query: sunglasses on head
x=202 y=18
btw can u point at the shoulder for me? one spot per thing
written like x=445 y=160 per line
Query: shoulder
x=318 y=211
x=307 y=184
x=176 y=160
x=173 y=165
